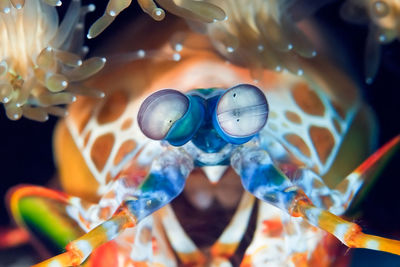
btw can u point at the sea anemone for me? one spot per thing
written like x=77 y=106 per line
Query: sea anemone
x=260 y=34
x=40 y=59
x=190 y=9
x=255 y=33
x=383 y=18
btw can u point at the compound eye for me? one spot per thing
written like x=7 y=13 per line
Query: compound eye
x=242 y=111
x=160 y=111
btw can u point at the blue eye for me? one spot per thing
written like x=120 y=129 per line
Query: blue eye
x=170 y=115
x=241 y=112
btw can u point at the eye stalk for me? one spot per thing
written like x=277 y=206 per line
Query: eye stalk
x=170 y=115
x=240 y=113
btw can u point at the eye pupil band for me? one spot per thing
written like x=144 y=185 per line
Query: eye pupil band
x=250 y=112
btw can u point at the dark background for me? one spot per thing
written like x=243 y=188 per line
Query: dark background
x=26 y=146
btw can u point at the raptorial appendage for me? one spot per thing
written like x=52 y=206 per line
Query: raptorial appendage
x=268 y=183
x=165 y=182
x=41 y=64
x=383 y=19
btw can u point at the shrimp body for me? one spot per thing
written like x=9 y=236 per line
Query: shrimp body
x=140 y=163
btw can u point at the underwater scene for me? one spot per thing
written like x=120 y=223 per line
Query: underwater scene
x=199 y=133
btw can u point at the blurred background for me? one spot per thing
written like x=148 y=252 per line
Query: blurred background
x=26 y=146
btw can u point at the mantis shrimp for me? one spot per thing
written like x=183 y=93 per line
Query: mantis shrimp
x=183 y=130
x=205 y=129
